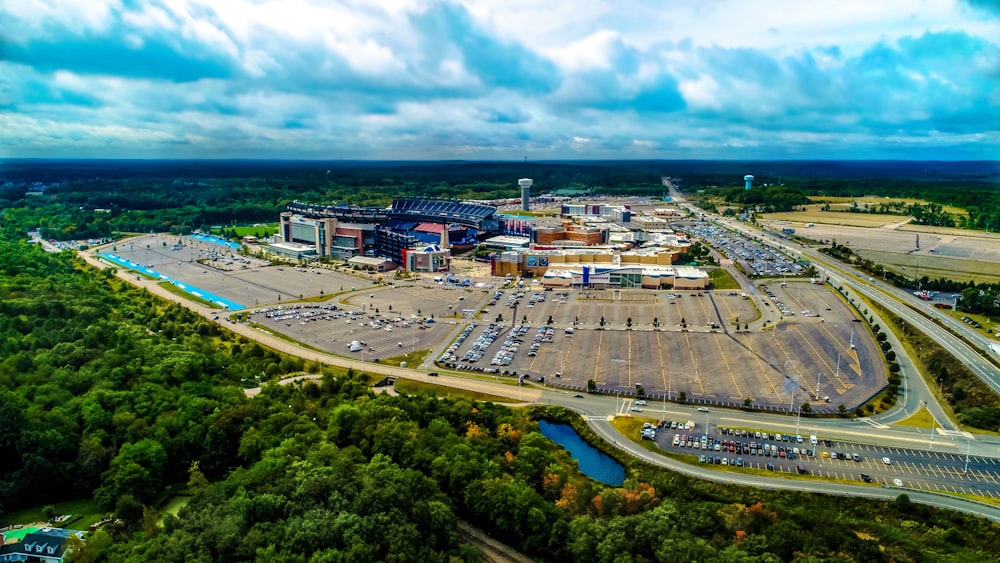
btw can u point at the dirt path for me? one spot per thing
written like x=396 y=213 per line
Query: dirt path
x=491 y=549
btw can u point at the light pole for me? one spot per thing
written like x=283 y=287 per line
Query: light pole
x=933 y=426
x=968 y=449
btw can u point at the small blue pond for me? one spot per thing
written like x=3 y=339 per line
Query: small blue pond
x=592 y=462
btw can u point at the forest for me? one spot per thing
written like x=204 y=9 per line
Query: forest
x=83 y=199
x=109 y=392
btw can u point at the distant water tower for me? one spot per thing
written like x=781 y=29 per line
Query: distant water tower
x=525 y=184
x=749 y=180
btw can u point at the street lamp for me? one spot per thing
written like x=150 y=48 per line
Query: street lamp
x=968 y=449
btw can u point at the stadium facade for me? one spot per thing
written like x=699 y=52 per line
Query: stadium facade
x=344 y=231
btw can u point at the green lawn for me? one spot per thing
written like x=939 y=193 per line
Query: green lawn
x=87 y=507
x=412 y=359
x=409 y=386
x=265 y=230
x=721 y=279
x=173 y=505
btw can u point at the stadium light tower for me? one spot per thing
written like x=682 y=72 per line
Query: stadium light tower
x=525 y=184
x=749 y=180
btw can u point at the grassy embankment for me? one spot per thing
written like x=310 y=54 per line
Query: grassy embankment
x=181 y=293
x=920 y=419
x=954 y=386
x=411 y=387
x=412 y=359
x=720 y=279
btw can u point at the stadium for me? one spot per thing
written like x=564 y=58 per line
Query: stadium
x=342 y=231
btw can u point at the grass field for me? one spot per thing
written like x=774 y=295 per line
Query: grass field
x=721 y=279
x=839 y=213
x=814 y=215
x=935 y=267
x=411 y=387
x=920 y=419
x=86 y=507
x=846 y=202
x=264 y=230
x=412 y=359
x=173 y=505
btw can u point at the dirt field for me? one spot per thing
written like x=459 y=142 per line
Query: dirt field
x=943 y=252
x=814 y=215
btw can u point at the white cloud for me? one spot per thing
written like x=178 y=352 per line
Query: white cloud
x=422 y=77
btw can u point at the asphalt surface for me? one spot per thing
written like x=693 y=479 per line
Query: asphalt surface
x=598 y=409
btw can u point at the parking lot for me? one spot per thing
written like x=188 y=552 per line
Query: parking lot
x=686 y=342
x=737 y=449
x=708 y=345
x=754 y=258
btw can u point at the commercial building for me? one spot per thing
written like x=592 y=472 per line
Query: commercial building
x=534 y=262
x=431 y=258
x=372 y=264
x=600 y=276
x=327 y=236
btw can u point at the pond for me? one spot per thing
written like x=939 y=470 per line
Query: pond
x=592 y=462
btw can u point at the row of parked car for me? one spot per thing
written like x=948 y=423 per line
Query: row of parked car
x=544 y=334
x=449 y=354
x=971 y=322
x=511 y=345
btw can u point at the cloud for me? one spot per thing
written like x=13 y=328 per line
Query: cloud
x=991 y=7
x=484 y=79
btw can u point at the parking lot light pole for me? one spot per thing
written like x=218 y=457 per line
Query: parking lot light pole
x=933 y=425
x=968 y=449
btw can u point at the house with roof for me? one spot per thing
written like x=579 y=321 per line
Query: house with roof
x=47 y=545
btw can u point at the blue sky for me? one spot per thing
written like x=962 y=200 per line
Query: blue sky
x=504 y=79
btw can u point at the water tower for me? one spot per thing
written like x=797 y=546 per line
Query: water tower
x=749 y=180
x=525 y=184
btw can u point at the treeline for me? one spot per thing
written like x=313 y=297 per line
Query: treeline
x=128 y=196
x=923 y=213
x=767 y=199
x=179 y=196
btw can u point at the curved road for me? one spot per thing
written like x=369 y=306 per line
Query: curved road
x=596 y=409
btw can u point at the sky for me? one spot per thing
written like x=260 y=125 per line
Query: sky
x=500 y=79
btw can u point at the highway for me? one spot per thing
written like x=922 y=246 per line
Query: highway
x=890 y=297
x=916 y=391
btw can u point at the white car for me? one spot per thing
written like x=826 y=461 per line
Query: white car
x=641 y=402
x=702 y=409
x=897 y=482
x=886 y=461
